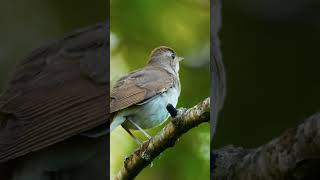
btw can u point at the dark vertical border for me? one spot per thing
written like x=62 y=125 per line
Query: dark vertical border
x=218 y=77
x=108 y=97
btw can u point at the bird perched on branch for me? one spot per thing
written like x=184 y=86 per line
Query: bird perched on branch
x=54 y=109
x=139 y=100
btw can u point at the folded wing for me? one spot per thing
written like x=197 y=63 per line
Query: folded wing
x=61 y=90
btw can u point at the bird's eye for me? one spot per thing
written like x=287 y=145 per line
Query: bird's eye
x=173 y=56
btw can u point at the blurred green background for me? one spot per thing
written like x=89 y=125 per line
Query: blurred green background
x=137 y=27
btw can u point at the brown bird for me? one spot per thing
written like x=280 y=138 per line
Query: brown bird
x=139 y=99
x=54 y=111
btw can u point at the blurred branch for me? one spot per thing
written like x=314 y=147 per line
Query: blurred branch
x=294 y=155
x=183 y=122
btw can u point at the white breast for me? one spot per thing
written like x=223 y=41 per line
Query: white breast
x=171 y=96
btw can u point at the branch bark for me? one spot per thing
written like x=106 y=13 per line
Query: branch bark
x=295 y=155
x=166 y=138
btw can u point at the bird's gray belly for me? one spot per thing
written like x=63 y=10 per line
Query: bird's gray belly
x=154 y=112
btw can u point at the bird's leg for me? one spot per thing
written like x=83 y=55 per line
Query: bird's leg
x=143 y=131
x=134 y=138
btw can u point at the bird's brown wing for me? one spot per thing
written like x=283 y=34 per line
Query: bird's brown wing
x=59 y=91
x=139 y=86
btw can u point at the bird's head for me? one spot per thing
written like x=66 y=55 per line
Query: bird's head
x=165 y=57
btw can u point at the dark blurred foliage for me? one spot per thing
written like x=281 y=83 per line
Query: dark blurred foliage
x=271 y=53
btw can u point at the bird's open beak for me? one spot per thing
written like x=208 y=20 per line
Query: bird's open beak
x=180 y=58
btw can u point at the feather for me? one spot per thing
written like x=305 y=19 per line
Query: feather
x=59 y=91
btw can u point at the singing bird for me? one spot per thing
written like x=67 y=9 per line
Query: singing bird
x=139 y=99
x=54 y=111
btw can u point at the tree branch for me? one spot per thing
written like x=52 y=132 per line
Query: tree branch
x=183 y=122
x=294 y=155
